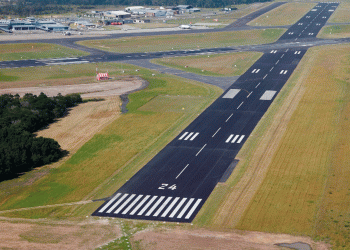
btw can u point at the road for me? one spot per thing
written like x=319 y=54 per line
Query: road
x=175 y=184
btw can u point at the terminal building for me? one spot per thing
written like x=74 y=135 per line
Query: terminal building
x=31 y=24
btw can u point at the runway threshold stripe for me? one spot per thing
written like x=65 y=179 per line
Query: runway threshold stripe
x=109 y=203
x=132 y=204
x=155 y=206
x=182 y=171
x=147 y=205
x=117 y=203
x=170 y=207
x=177 y=208
x=193 y=208
x=162 y=206
x=125 y=203
x=139 y=205
x=185 y=208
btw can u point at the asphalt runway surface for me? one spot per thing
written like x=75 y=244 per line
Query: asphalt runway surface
x=175 y=184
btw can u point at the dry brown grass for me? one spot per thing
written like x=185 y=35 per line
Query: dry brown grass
x=306 y=189
x=341 y=14
x=82 y=123
x=287 y=14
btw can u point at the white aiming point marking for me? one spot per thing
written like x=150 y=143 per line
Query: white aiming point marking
x=268 y=95
x=231 y=93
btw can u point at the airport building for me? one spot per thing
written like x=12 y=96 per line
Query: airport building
x=117 y=14
x=31 y=24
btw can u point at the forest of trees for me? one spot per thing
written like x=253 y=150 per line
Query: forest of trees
x=37 y=7
x=20 y=149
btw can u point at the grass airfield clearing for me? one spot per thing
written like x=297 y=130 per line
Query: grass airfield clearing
x=185 y=41
x=286 y=14
x=232 y=64
x=25 y=51
x=132 y=139
x=292 y=177
x=294 y=171
x=335 y=31
x=341 y=14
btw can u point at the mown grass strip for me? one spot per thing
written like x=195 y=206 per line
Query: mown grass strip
x=25 y=51
x=185 y=41
x=232 y=64
x=334 y=31
x=286 y=14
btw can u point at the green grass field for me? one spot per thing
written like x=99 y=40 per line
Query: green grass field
x=232 y=64
x=334 y=31
x=287 y=14
x=24 y=51
x=185 y=41
x=114 y=155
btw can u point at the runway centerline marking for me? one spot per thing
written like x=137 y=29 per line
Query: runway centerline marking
x=229 y=117
x=240 y=105
x=216 y=132
x=201 y=149
x=182 y=171
x=257 y=85
x=277 y=62
x=249 y=94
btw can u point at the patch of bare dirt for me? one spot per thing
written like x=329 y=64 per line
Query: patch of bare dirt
x=100 y=89
x=62 y=235
x=204 y=239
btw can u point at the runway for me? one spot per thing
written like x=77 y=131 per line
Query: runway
x=175 y=184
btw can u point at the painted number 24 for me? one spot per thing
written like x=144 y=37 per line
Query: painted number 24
x=166 y=186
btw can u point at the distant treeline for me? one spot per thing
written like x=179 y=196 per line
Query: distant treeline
x=20 y=150
x=37 y=7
